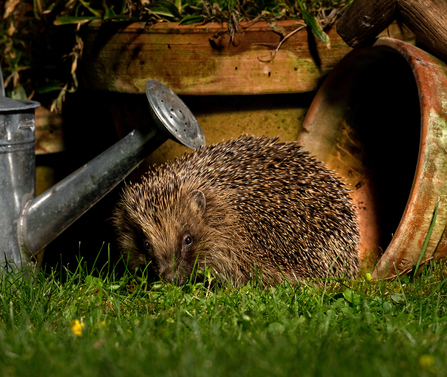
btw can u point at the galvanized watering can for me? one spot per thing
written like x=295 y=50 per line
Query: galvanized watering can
x=27 y=223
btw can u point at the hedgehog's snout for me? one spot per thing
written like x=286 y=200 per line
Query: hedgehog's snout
x=175 y=276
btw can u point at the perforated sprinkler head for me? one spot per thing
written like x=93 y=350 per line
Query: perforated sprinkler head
x=171 y=114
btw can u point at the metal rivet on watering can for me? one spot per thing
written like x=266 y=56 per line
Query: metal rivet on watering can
x=27 y=223
x=380 y=121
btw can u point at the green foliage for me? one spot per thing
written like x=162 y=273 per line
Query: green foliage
x=313 y=24
x=87 y=325
x=41 y=42
x=164 y=8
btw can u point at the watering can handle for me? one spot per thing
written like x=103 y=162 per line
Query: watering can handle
x=2 y=84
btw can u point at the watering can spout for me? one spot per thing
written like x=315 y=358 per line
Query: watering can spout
x=48 y=215
x=37 y=221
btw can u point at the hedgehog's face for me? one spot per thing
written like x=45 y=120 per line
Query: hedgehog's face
x=166 y=241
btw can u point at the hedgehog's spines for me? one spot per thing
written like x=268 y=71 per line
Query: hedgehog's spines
x=267 y=203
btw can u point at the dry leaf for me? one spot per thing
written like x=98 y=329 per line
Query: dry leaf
x=10 y=6
x=278 y=29
x=11 y=29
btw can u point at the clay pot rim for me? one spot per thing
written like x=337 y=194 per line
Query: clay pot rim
x=429 y=180
x=427 y=73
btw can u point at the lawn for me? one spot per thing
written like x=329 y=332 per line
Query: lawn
x=94 y=326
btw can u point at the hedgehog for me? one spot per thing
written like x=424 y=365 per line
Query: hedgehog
x=244 y=207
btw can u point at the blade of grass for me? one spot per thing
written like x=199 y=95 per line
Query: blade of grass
x=430 y=230
x=400 y=284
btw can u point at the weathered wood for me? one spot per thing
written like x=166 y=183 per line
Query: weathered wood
x=201 y=60
x=364 y=20
x=428 y=20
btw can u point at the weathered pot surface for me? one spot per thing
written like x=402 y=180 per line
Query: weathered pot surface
x=379 y=120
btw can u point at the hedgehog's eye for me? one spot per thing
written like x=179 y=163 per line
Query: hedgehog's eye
x=147 y=246
x=187 y=240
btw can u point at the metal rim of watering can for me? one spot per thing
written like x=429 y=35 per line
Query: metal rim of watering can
x=170 y=113
x=13 y=105
x=429 y=182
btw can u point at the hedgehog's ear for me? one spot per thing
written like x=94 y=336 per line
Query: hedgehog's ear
x=198 y=201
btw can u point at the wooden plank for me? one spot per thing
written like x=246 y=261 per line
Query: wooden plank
x=201 y=60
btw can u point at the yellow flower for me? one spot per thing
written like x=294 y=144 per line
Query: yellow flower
x=76 y=327
x=426 y=361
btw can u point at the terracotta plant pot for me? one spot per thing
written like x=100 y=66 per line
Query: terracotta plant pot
x=379 y=120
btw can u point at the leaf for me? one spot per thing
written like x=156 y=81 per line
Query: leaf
x=70 y=20
x=164 y=8
x=192 y=19
x=351 y=297
x=93 y=282
x=19 y=93
x=396 y=298
x=50 y=86
x=277 y=29
x=38 y=9
x=312 y=22
x=108 y=12
x=275 y=328
x=370 y=318
x=178 y=5
x=10 y=6
x=387 y=306
x=87 y=5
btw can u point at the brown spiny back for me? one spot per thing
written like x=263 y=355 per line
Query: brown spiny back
x=245 y=202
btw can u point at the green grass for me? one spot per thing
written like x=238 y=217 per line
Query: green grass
x=345 y=328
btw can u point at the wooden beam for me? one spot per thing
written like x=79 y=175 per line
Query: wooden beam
x=427 y=19
x=364 y=20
